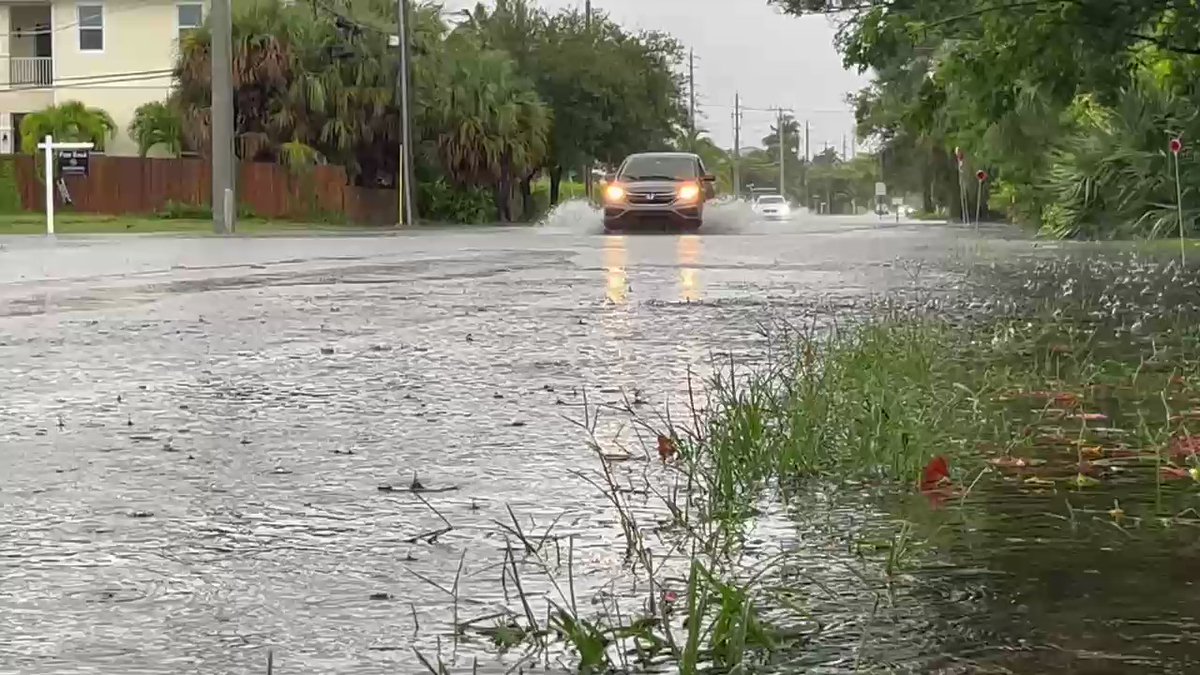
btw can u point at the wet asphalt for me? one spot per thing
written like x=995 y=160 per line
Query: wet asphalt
x=195 y=431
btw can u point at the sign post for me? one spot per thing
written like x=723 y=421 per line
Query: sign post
x=49 y=146
x=982 y=177
x=961 y=157
x=1176 y=148
x=880 y=195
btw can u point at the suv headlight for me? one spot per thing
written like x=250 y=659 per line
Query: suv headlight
x=614 y=193
x=689 y=192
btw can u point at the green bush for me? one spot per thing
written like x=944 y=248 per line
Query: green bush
x=440 y=201
x=10 y=192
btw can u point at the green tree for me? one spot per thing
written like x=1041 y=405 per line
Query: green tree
x=584 y=69
x=999 y=80
x=494 y=128
x=69 y=121
x=154 y=124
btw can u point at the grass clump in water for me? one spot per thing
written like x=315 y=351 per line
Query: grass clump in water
x=879 y=402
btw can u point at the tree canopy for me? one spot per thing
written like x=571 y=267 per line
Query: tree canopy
x=507 y=93
x=1031 y=90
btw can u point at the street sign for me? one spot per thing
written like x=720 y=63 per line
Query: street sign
x=881 y=189
x=48 y=146
x=898 y=201
x=74 y=162
x=1176 y=146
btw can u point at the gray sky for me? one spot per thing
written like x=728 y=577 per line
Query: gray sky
x=747 y=46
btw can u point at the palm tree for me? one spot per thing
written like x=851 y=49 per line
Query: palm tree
x=300 y=79
x=494 y=128
x=157 y=123
x=69 y=121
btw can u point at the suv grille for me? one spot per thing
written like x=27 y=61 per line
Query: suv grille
x=662 y=197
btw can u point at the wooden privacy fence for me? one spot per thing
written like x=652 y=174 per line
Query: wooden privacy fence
x=136 y=185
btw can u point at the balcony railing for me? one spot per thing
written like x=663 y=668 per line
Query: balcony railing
x=30 y=71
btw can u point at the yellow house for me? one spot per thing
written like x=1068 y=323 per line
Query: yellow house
x=110 y=54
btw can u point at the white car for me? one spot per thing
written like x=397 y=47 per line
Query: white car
x=772 y=207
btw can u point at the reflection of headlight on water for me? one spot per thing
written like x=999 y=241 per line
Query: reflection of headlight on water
x=688 y=256
x=616 y=280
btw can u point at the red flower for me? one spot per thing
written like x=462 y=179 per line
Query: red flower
x=1176 y=146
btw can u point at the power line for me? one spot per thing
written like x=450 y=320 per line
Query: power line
x=804 y=111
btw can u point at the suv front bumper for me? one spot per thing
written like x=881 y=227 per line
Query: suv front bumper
x=639 y=215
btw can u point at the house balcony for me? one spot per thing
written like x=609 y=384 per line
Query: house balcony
x=30 y=71
x=27 y=80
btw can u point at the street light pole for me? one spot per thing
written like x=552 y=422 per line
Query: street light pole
x=224 y=199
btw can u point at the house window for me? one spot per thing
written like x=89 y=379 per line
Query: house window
x=190 y=17
x=91 y=27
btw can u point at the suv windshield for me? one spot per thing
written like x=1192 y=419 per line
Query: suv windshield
x=770 y=200
x=659 y=167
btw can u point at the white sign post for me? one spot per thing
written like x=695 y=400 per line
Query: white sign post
x=50 y=146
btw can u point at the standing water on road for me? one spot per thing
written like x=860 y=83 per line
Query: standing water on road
x=337 y=449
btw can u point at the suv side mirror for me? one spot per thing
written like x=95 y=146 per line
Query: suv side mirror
x=708 y=178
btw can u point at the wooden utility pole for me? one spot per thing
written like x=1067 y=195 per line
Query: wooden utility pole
x=587 y=167
x=737 y=144
x=692 y=90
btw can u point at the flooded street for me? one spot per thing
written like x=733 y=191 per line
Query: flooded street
x=206 y=444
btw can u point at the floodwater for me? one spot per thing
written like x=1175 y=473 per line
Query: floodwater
x=195 y=434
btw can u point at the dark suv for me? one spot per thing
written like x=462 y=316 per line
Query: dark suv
x=657 y=188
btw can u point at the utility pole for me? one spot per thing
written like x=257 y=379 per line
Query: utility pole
x=404 y=172
x=807 y=168
x=737 y=144
x=224 y=167
x=844 y=155
x=782 y=154
x=692 y=90
x=587 y=167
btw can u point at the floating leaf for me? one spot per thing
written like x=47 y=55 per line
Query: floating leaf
x=1084 y=481
x=1183 y=447
x=1037 y=480
x=1174 y=473
x=937 y=471
x=1008 y=462
x=1089 y=417
x=666 y=447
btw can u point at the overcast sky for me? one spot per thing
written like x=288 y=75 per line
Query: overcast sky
x=748 y=47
